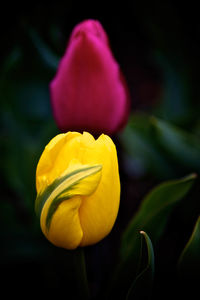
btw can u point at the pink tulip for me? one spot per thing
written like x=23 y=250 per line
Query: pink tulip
x=89 y=92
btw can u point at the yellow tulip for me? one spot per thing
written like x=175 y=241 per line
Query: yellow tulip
x=78 y=189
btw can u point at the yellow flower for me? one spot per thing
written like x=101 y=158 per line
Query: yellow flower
x=78 y=189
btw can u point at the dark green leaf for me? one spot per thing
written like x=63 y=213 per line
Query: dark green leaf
x=181 y=145
x=49 y=58
x=138 y=141
x=189 y=262
x=154 y=211
x=126 y=271
x=142 y=285
x=175 y=105
x=11 y=60
x=132 y=266
x=151 y=217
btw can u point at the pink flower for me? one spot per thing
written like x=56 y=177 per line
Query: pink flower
x=89 y=92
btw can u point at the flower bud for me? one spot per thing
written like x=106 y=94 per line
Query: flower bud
x=78 y=189
x=89 y=91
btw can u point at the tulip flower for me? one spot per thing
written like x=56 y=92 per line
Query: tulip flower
x=89 y=91
x=78 y=189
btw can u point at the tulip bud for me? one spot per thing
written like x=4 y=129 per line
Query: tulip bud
x=89 y=91
x=78 y=189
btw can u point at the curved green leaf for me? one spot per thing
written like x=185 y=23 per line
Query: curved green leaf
x=142 y=285
x=151 y=217
x=189 y=262
x=138 y=140
x=181 y=145
x=154 y=211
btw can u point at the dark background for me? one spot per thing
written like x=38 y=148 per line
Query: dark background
x=157 y=46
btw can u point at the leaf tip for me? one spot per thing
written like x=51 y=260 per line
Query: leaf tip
x=192 y=176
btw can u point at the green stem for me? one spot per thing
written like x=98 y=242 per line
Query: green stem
x=81 y=273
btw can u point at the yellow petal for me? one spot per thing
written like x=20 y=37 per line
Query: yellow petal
x=77 y=180
x=52 y=163
x=98 y=212
x=65 y=230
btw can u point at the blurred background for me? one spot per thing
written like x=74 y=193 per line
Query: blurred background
x=157 y=44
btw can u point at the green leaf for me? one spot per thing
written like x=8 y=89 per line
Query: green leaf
x=155 y=210
x=175 y=104
x=189 y=262
x=44 y=51
x=11 y=60
x=151 y=217
x=181 y=145
x=142 y=285
x=126 y=276
x=138 y=141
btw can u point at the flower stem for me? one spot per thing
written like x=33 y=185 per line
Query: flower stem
x=81 y=273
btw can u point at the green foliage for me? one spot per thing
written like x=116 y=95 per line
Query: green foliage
x=154 y=211
x=47 y=56
x=189 y=262
x=26 y=127
x=179 y=144
x=152 y=217
x=139 y=142
x=134 y=275
x=142 y=285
